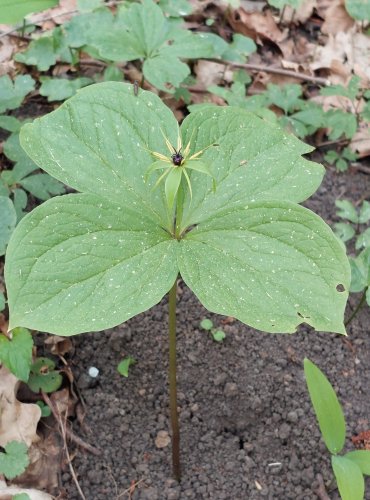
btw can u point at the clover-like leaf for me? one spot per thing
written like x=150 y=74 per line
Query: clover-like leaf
x=90 y=261
x=15 y=459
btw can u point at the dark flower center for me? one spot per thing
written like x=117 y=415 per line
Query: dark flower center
x=177 y=158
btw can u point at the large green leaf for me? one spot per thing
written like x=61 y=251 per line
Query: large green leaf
x=105 y=130
x=93 y=263
x=358 y=9
x=8 y=221
x=252 y=160
x=13 y=11
x=273 y=265
x=349 y=478
x=13 y=93
x=328 y=410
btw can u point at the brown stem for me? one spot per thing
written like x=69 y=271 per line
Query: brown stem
x=173 y=384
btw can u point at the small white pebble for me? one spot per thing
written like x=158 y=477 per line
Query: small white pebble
x=93 y=372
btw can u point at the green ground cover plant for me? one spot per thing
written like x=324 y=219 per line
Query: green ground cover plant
x=349 y=468
x=238 y=238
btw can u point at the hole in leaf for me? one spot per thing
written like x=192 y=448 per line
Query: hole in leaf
x=340 y=288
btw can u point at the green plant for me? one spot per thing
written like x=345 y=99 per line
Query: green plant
x=280 y=4
x=340 y=160
x=45 y=409
x=356 y=218
x=358 y=9
x=91 y=260
x=124 y=365
x=217 y=335
x=14 y=460
x=16 y=352
x=12 y=11
x=43 y=377
x=349 y=468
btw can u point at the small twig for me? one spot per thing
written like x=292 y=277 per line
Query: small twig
x=77 y=440
x=359 y=305
x=361 y=168
x=128 y=491
x=269 y=69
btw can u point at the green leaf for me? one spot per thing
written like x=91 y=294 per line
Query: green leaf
x=104 y=264
x=279 y=4
x=176 y=8
x=239 y=49
x=331 y=157
x=345 y=231
x=114 y=146
x=358 y=9
x=349 y=478
x=43 y=377
x=165 y=72
x=13 y=11
x=328 y=410
x=218 y=336
x=10 y=123
x=360 y=271
x=351 y=91
x=172 y=185
x=113 y=74
x=340 y=123
x=2 y=301
x=15 y=459
x=42 y=186
x=287 y=97
x=124 y=365
x=88 y=5
x=272 y=265
x=206 y=324
x=59 y=89
x=252 y=161
x=13 y=93
x=361 y=458
x=45 y=410
x=16 y=354
x=8 y=221
x=46 y=51
x=20 y=199
x=363 y=241
x=21 y=496
x=346 y=210
x=364 y=216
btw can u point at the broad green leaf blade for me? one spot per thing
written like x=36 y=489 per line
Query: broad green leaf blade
x=81 y=263
x=16 y=354
x=59 y=89
x=42 y=186
x=252 y=160
x=349 y=478
x=360 y=271
x=13 y=11
x=124 y=366
x=15 y=459
x=8 y=221
x=358 y=9
x=361 y=458
x=347 y=211
x=328 y=410
x=98 y=142
x=272 y=265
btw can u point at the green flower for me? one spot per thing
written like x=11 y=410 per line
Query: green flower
x=175 y=167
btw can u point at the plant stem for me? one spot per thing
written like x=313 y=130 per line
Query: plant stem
x=359 y=305
x=173 y=385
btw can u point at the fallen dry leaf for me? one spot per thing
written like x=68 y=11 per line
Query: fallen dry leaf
x=209 y=73
x=336 y=18
x=300 y=15
x=7 y=492
x=59 y=345
x=350 y=49
x=360 y=142
x=18 y=421
x=257 y=25
x=60 y=14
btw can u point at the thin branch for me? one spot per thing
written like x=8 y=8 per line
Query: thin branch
x=269 y=69
x=63 y=429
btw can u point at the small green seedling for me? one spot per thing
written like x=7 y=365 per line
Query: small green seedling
x=218 y=335
x=349 y=468
x=45 y=409
x=43 y=376
x=91 y=260
x=341 y=160
x=14 y=460
x=21 y=496
x=124 y=365
x=356 y=222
